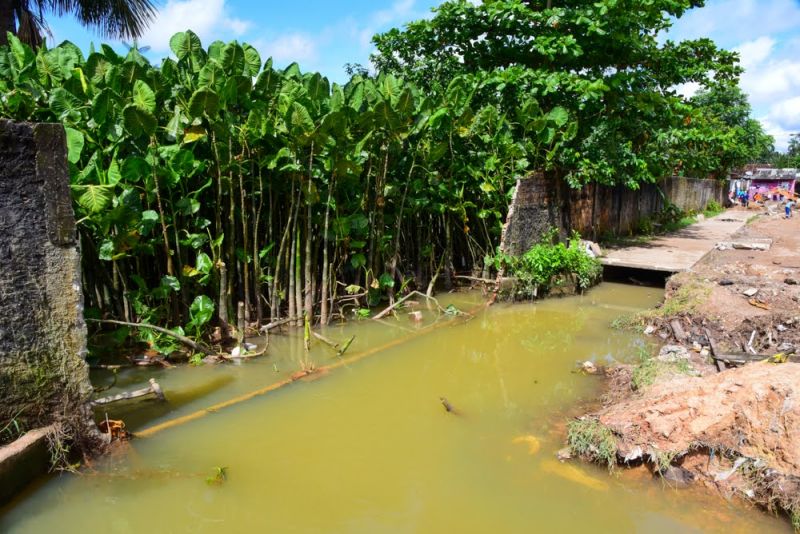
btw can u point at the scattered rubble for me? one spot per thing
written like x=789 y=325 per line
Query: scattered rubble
x=735 y=321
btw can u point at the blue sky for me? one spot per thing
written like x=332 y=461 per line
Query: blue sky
x=324 y=35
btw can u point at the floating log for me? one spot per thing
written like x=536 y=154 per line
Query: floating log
x=152 y=389
x=274 y=324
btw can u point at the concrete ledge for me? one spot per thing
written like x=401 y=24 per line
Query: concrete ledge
x=22 y=461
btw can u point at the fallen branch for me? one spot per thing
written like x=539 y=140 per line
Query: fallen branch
x=477 y=279
x=388 y=310
x=740 y=359
x=332 y=344
x=750 y=343
x=714 y=352
x=274 y=324
x=198 y=347
x=340 y=349
x=152 y=389
x=346 y=345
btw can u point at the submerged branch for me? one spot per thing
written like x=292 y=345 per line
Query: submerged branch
x=399 y=302
x=198 y=347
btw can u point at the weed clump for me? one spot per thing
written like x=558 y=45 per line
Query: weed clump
x=683 y=301
x=550 y=264
x=647 y=371
x=713 y=208
x=591 y=439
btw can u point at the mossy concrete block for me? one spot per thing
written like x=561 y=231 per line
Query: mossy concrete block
x=22 y=461
x=43 y=374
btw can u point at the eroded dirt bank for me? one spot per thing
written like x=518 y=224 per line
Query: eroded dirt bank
x=731 y=425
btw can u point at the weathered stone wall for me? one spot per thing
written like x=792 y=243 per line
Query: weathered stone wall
x=43 y=375
x=542 y=202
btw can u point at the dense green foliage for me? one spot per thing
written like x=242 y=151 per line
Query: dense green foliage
x=783 y=160
x=212 y=179
x=719 y=135
x=604 y=63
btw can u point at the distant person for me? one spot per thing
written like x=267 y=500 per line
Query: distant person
x=788 y=208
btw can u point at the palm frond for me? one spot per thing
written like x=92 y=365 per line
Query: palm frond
x=117 y=19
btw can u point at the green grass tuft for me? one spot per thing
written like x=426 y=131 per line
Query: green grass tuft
x=649 y=368
x=591 y=439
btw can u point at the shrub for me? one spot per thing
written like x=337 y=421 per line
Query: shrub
x=713 y=208
x=548 y=264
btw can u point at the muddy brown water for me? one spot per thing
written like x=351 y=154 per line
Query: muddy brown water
x=369 y=447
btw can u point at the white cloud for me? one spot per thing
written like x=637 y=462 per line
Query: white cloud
x=733 y=21
x=209 y=19
x=401 y=10
x=772 y=83
x=752 y=53
x=780 y=134
x=289 y=47
x=786 y=113
x=764 y=32
x=688 y=89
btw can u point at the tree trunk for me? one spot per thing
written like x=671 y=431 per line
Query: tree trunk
x=292 y=257
x=6 y=21
x=324 y=298
x=448 y=255
x=275 y=302
x=245 y=243
x=256 y=257
x=308 y=305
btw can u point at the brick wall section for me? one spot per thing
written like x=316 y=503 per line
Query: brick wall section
x=43 y=375
x=542 y=202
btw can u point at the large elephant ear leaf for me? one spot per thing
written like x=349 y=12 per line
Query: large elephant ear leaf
x=185 y=44
x=134 y=168
x=233 y=58
x=143 y=97
x=212 y=76
x=559 y=116
x=95 y=198
x=300 y=119
x=138 y=121
x=75 y=143
x=204 y=101
x=65 y=105
x=21 y=53
x=337 y=97
x=252 y=60
x=317 y=87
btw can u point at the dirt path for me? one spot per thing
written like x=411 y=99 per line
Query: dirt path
x=735 y=430
x=681 y=250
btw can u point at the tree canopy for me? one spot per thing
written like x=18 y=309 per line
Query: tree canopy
x=605 y=62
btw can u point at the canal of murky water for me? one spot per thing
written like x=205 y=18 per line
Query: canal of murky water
x=369 y=447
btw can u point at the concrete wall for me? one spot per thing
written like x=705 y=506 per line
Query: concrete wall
x=542 y=202
x=43 y=375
